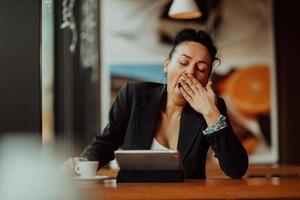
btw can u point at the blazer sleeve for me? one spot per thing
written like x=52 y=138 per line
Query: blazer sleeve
x=232 y=156
x=103 y=147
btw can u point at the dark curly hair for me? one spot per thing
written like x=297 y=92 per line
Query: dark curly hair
x=195 y=36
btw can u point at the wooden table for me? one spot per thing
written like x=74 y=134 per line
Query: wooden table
x=279 y=182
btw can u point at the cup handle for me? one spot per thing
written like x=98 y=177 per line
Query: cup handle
x=77 y=169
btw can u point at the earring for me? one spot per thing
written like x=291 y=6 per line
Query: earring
x=165 y=79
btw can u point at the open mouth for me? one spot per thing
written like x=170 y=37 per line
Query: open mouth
x=179 y=85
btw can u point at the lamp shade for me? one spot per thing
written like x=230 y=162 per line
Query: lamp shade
x=184 y=9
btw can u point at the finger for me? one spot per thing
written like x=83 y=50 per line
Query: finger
x=196 y=82
x=185 y=94
x=187 y=88
x=209 y=87
x=71 y=163
x=190 y=83
x=76 y=160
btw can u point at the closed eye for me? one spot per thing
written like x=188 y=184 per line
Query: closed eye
x=202 y=67
x=183 y=63
x=201 y=70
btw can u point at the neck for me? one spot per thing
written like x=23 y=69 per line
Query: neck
x=172 y=108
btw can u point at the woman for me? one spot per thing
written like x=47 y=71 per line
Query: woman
x=184 y=114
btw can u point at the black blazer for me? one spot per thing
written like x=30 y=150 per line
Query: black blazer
x=132 y=121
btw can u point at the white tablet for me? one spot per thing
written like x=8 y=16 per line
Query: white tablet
x=148 y=160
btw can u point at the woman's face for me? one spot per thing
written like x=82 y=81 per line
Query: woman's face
x=191 y=58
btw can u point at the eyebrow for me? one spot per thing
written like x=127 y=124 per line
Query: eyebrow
x=201 y=61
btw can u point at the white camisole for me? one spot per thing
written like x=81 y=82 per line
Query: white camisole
x=156 y=146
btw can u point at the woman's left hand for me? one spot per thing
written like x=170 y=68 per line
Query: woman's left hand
x=202 y=100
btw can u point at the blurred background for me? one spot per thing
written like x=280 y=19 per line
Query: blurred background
x=62 y=63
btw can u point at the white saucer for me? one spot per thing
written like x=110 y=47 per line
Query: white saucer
x=96 y=178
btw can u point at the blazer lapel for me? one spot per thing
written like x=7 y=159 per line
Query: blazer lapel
x=147 y=115
x=191 y=123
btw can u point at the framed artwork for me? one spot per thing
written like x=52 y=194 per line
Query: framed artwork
x=136 y=39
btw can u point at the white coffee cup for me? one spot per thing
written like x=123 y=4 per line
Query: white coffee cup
x=87 y=169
